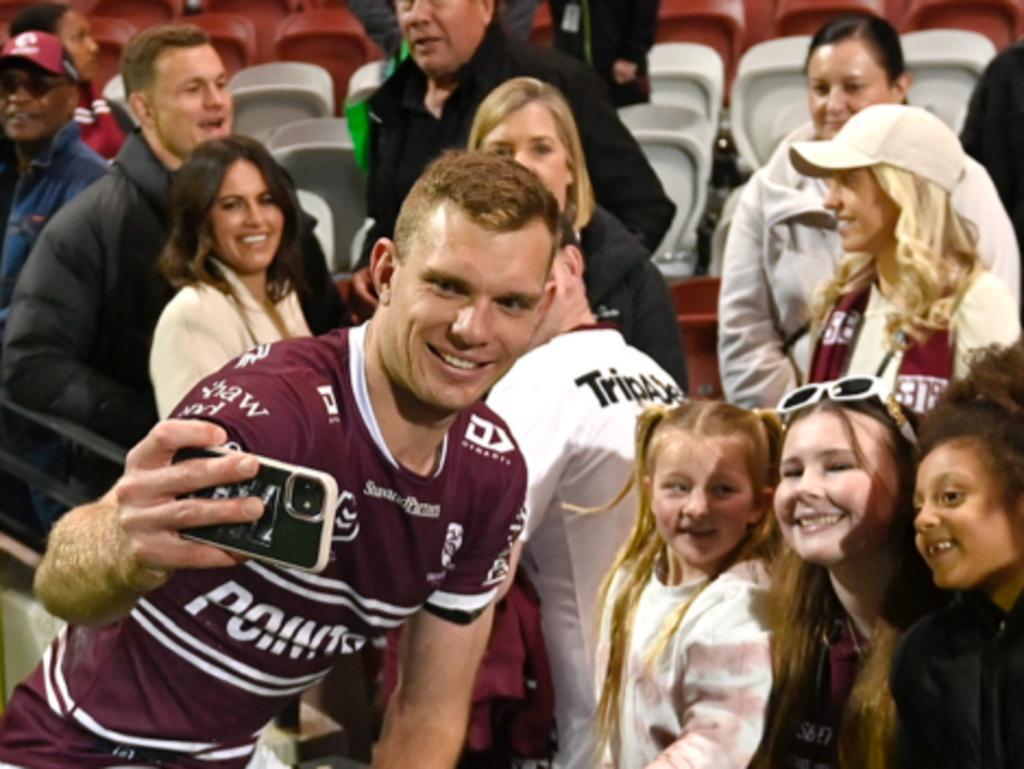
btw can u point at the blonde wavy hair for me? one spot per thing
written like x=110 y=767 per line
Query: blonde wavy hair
x=935 y=251
x=644 y=551
x=511 y=96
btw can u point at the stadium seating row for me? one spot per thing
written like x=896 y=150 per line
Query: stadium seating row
x=733 y=26
x=244 y=33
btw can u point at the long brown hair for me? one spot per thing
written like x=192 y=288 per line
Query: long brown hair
x=644 y=550
x=186 y=259
x=804 y=611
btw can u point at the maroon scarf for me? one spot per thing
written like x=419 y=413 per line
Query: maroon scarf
x=924 y=372
x=96 y=123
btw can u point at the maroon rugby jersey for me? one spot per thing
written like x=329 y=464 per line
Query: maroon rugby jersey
x=201 y=664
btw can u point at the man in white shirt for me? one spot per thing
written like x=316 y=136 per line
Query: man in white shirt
x=572 y=404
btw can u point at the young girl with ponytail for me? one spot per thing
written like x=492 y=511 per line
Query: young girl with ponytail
x=687 y=672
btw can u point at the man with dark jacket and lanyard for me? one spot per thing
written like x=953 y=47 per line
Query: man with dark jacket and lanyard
x=78 y=342
x=458 y=54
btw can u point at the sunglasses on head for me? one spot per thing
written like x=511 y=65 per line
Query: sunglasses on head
x=851 y=388
x=36 y=84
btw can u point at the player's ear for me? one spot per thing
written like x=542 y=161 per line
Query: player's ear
x=383 y=261
x=573 y=259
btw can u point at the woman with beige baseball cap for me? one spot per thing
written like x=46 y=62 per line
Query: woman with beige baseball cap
x=783 y=243
x=910 y=300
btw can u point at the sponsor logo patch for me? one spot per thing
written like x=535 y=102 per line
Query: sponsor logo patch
x=330 y=403
x=409 y=503
x=610 y=387
x=487 y=439
x=271 y=630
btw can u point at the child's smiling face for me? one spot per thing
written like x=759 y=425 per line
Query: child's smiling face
x=703 y=499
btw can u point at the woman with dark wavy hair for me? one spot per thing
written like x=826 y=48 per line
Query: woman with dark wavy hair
x=233 y=257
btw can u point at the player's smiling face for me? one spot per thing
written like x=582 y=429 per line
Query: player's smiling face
x=459 y=308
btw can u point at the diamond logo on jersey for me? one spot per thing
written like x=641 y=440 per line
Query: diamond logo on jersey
x=487 y=439
x=346 y=518
x=330 y=403
x=255 y=355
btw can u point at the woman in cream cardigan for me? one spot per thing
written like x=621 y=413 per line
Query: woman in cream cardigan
x=232 y=256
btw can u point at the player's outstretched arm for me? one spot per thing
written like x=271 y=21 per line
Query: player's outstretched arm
x=101 y=556
x=425 y=723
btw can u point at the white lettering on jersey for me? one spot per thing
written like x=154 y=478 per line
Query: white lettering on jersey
x=222 y=392
x=255 y=355
x=270 y=630
x=346 y=523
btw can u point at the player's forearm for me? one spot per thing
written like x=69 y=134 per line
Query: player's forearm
x=427 y=738
x=87 y=575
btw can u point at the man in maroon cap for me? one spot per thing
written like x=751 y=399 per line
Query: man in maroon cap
x=43 y=161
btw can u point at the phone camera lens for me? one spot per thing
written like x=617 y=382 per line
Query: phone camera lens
x=307 y=497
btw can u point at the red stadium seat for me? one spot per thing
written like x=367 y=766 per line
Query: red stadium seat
x=895 y=10
x=266 y=15
x=759 y=21
x=696 y=303
x=716 y=23
x=233 y=35
x=543 y=32
x=999 y=20
x=111 y=35
x=140 y=13
x=805 y=17
x=330 y=37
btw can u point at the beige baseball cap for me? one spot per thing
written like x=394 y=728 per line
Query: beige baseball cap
x=904 y=137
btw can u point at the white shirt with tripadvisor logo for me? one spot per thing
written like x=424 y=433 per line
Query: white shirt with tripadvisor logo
x=572 y=406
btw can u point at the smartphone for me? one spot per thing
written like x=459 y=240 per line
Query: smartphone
x=298 y=513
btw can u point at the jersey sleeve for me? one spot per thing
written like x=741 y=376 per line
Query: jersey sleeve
x=482 y=546
x=258 y=407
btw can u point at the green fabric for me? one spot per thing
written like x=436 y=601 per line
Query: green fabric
x=358 y=117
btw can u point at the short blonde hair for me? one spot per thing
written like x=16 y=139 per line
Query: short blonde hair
x=513 y=95
x=935 y=250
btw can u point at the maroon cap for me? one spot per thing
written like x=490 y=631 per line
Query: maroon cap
x=40 y=49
